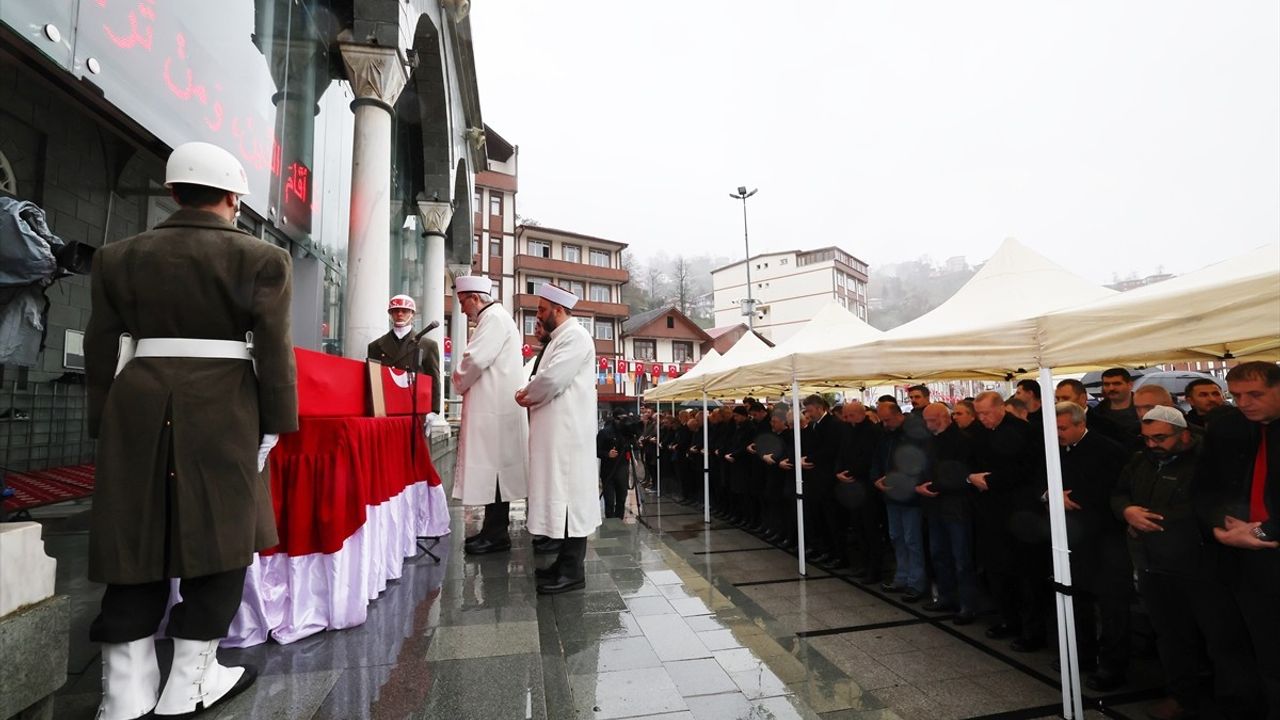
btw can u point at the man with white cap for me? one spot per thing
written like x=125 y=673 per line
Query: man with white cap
x=1189 y=605
x=191 y=377
x=561 y=397
x=493 y=440
x=395 y=348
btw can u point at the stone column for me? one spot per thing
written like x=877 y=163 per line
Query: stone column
x=458 y=328
x=435 y=222
x=377 y=76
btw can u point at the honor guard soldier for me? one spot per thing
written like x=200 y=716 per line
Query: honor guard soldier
x=191 y=378
x=393 y=349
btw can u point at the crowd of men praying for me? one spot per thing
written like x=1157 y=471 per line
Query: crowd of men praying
x=947 y=506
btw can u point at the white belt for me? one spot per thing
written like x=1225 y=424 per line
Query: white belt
x=193 y=348
x=184 y=348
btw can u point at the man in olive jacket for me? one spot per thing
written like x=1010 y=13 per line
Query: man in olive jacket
x=183 y=433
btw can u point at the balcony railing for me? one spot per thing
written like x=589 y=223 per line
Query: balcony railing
x=564 y=268
x=526 y=301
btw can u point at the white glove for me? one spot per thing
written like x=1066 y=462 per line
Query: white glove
x=264 y=449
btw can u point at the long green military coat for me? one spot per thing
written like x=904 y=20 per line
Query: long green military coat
x=389 y=347
x=178 y=437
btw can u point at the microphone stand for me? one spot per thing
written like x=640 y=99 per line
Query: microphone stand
x=415 y=350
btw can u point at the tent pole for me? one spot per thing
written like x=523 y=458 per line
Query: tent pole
x=657 y=440
x=1072 y=702
x=795 y=434
x=706 y=464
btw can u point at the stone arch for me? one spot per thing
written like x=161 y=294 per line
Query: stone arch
x=429 y=88
x=460 y=227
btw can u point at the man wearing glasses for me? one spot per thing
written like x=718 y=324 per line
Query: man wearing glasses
x=1177 y=574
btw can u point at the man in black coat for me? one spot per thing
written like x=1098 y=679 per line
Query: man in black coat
x=1010 y=483
x=818 y=451
x=897 y=466
x=1117 y=406
x=1178 y=572
x=856 y=494
x=948 y=509
x=1238 y=486
x=611 y=448
x=1074 y=391
x=1100 y=567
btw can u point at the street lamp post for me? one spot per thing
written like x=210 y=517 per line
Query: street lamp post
x=750 y=303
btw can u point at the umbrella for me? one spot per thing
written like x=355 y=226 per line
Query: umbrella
x=697 y=404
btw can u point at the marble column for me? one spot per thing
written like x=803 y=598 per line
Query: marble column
x=377 y=76
x=435 y=222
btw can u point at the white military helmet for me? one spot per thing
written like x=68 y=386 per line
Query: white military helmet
x=402 y=302
x=201 y=163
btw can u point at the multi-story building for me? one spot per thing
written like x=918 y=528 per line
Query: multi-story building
x=664 y=337
x=788 y=287
x=493 y=248
x=589 y=267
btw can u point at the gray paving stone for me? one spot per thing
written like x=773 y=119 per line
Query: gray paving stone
x=627 y=693
x=700 y=677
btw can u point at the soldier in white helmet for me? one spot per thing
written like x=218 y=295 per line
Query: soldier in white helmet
x=191 y=378
x=493 y=441
x=394 y=348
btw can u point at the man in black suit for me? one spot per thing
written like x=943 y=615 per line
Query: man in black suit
x=1100 y=566
x=1239 y=485
x=948 y=509
x=1010 y=483
x=819 y=447
x=855 y=492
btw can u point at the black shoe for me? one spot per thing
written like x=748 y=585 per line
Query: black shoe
x=1026 y=645
x=1104 y=681
x=549 y=572
x=486 y=546
x=838 y=564
x=474 y=538
x=561 y=585
x=889 y=587
x=964 y=617
x=787 y=544
x=550 y=547
x=1001 y=631
x=912 y=596
x=938 y=606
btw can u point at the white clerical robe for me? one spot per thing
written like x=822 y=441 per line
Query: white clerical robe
x=493 y=440
x=563 y=481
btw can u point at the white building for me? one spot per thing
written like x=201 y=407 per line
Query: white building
x=788 y=287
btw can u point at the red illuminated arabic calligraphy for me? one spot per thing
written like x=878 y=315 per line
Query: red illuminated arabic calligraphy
x=134 y=38
x=299 y=182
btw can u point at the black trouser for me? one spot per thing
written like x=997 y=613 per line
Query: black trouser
x=1261 y=612
x=615 y=493
x=1182 y=611
x=497 y=518
x=132 y=612
x=815 y=515
x=869 y=532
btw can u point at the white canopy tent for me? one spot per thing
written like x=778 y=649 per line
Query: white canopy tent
x=831 y=327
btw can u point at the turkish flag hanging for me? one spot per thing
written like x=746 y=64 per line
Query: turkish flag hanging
x=604 y=364
x=673 y=370
x=622 y=366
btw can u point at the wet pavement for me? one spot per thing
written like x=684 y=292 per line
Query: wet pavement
x=678 y=621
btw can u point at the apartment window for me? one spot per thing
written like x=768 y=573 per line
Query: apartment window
x=784 y=261
x=539 y=248
x=495 y=247
x=604 y=330
x=477 y=201
x=571 y=253
x=531 y=284
x=671 y=322
x=576 y=287
x=600 y=293
x=586 y=322
x=530 y=323
x=495 y=289
x=646 y=349
x=681 y=351
x=495 y=204
x=475 y=246
x=601 y=258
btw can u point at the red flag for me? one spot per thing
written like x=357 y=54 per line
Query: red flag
x=622 y=366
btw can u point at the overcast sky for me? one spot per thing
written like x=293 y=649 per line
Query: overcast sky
x=1110 y=136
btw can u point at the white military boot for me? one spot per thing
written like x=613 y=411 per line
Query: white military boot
x=197 y=681
x=130 y=680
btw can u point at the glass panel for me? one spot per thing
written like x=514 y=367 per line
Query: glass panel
x=29 y=20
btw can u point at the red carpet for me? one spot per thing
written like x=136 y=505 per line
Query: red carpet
x=35 y=488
